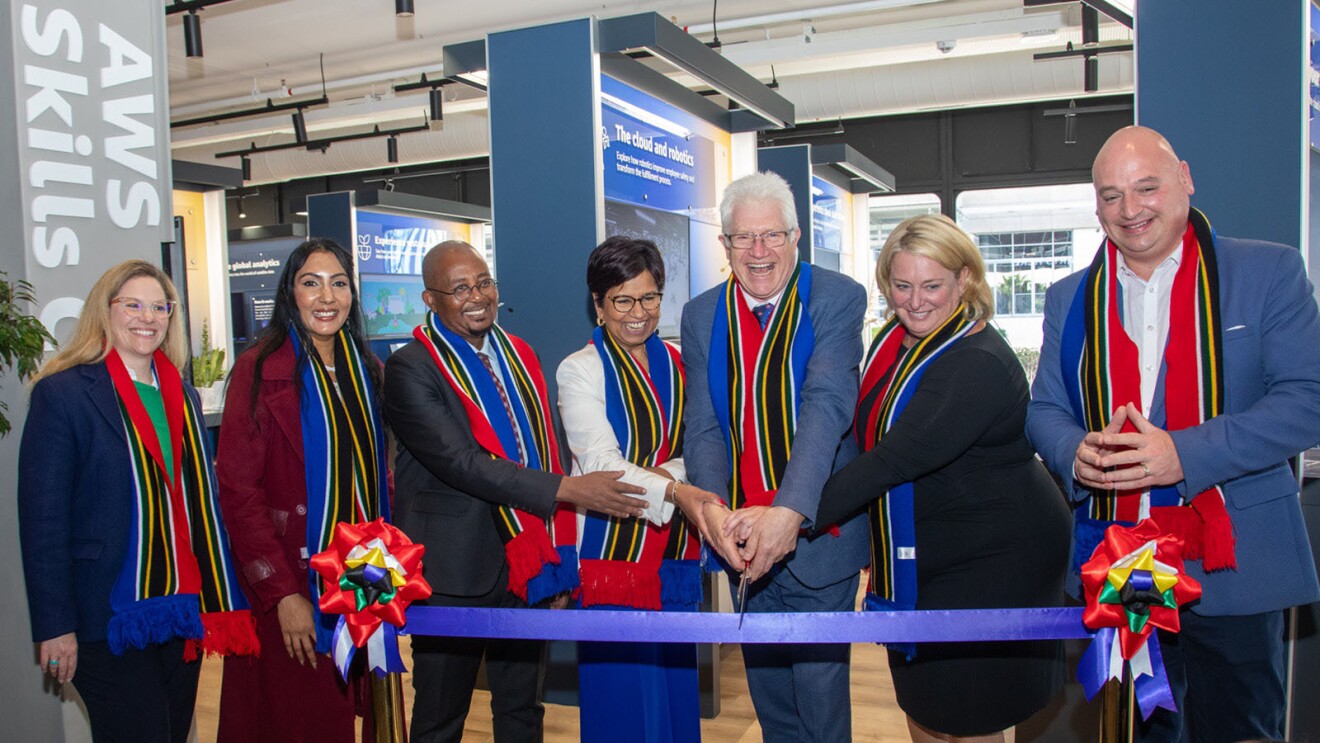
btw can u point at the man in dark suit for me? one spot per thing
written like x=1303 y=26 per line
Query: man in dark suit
x=1255 y=337
x=806 y=323
x=449 y=485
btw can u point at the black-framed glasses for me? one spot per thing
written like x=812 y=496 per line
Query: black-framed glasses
x=134 y=306
x=623 y=303
x=745 y=240
x=463 y=292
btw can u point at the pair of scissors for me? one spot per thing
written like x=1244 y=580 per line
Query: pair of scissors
x=742 y=592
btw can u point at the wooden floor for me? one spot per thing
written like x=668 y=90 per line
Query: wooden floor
x=876 y=717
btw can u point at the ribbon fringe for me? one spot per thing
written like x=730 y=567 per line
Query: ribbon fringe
x=557 y=575
x=620 y=583
x=153 y=621
x=680 y=585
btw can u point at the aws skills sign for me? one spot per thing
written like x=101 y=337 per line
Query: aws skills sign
x=92 y=141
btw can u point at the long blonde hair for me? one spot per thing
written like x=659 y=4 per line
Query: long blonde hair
x=91 y=338
x=940 y=239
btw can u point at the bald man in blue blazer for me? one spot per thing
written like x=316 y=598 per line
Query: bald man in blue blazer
x=1226 y=665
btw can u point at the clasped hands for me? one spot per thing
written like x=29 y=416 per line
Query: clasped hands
x=751 y=540
x=1137 y=460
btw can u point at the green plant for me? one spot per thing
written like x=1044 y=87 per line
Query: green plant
x=22 y=337
x=209 y=365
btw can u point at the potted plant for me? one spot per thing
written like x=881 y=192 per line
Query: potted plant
x=22 y=337
x=208 y=370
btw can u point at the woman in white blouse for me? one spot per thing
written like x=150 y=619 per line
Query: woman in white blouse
x=621 y=400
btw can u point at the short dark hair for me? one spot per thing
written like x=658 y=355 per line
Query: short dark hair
x=621 y=258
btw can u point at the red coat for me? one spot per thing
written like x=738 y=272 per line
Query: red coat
x=263 y=495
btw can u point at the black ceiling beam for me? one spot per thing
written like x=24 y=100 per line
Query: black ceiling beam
x=270 y=108
x=324 y=142
x=1104 y=6
x=1083 y=52
x=424 y=83
x=183 y=6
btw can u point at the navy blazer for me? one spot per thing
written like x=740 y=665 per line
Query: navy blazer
x=1271 y=347
x=75 y=501
x=821 y=444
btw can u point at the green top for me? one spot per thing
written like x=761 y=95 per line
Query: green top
x=155 y=405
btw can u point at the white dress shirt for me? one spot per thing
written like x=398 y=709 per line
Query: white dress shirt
x=1146 y=318
x=591 y=437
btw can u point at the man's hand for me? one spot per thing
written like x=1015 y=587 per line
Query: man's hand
x=295 y=615
x=1141 y=460
x=59 y=657
x=739 y=527
x=690 y=499
x=773 y=536
x=603 y=492
x=1087 y=467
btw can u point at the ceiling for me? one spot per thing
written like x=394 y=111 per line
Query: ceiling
x=833 y=60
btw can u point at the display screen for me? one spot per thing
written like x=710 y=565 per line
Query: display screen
x=392 y=305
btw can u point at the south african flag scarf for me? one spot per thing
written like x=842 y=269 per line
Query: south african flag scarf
x=756 y=381
x=633 y=562
x=1101 y=369
x=536 y=569
x=343 y=454
x=178 y=578
x=897 y=372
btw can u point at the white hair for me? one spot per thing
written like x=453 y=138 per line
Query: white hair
x=758 y=187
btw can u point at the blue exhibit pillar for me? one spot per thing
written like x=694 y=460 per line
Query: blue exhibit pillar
x=1225 y=82
x=793 y=163
x=545 y=181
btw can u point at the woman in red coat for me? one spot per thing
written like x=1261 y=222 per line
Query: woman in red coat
x=301 y=447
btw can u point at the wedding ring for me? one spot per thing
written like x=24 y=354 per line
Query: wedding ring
x=53 y=662
x=1145 y=468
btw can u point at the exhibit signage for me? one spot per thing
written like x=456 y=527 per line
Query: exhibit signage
x=830 y=222
x=92 y=115
x=395 y=244
x=655 y=154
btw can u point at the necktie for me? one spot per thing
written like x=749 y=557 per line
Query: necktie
x=762 y=312
x=504 y=398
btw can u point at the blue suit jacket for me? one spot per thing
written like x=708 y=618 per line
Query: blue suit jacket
x=1271 y=337
x=821 y=444
x=74 y=501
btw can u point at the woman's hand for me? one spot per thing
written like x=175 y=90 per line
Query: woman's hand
x=299 y=628
x=717 y=515
x=59 y=657
x=739 y=525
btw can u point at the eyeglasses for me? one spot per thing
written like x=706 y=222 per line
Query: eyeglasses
x=745 y=240
x=624 y=304
x=463 y=292
x=137 y=307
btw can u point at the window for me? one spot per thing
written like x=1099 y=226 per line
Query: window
x=886 y=213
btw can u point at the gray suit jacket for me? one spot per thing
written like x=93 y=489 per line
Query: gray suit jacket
x=821 y=444
x=1271 y=353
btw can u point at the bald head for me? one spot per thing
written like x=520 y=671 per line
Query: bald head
x=1142 y=196
x=459 y=290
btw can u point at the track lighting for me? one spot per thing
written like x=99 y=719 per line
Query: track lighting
x=192 y=34
x=299 y=127
x=403 y=8
x=246 y=164
x=437 y=96
x=392 y=149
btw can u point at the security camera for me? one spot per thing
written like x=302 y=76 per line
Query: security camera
x=946 y=46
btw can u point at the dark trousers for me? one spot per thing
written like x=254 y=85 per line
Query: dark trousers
x=445 y=673
x=142 y=696
x=1227 y=677
x=801 y=693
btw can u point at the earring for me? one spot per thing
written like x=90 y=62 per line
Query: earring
x=600 y=320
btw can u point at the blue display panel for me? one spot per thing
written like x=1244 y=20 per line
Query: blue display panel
x=655 y=155
x=829 y=221
x=254 y=273
x=392 y=305
x=396 y=244
x=670 y=234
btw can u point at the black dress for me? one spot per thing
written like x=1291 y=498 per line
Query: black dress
x=992 y=531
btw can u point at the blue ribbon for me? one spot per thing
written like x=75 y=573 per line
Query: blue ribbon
x=703 y=627
x=1097 y=667
x=382 y=649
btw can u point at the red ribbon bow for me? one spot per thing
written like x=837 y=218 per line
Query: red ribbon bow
x=388 y=554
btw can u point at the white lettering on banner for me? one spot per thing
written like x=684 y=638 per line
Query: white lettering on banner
x=65 y=175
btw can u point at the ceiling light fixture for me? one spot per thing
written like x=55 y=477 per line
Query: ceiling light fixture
x=246 y=164
x=437 y=96
x=299 y=127
x=392 y=149
x=192 y=34
x=403 y=8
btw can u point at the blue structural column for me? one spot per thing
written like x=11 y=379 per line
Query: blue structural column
x=793 y=163
x=1225 y=81
x=545 y=181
